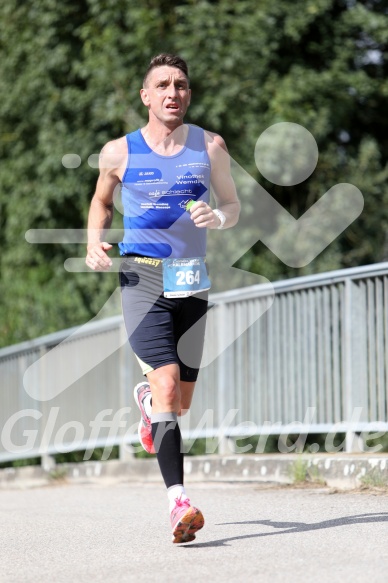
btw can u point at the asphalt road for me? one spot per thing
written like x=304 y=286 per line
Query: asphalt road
x=116 y=532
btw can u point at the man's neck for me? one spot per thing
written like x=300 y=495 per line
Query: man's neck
x=163 y=139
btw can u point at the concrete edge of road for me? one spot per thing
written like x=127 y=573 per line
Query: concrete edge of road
x=337 y=471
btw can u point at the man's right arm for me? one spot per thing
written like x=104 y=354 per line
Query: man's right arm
x=111 y=161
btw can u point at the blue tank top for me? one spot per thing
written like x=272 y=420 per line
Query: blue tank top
x=155 y=191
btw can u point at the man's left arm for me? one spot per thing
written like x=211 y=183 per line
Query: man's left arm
x=228 y=205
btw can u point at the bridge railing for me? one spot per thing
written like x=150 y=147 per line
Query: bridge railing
x=304 y=355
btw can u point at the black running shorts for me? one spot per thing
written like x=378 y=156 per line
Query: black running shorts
x=161 y=330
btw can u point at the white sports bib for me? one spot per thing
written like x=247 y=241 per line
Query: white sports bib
x=184 y=277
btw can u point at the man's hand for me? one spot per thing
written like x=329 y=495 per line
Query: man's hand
x=203 y=216
x=96 y=257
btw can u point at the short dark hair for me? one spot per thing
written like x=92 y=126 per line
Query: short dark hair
x=169 y=60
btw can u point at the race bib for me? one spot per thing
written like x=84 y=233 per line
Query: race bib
x=184 y=277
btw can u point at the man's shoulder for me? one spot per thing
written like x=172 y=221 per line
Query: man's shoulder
x=114 y=146
x=114 y=153
x=208 y=134
x=214 y=142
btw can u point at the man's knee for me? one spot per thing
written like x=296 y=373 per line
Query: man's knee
x=165 y=393
x=182 y=412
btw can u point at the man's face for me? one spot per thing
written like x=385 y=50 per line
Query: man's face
x=166 y=94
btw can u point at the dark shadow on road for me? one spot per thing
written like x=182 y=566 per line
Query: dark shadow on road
x=293 y=527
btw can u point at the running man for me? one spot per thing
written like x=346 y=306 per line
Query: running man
x=164 y=171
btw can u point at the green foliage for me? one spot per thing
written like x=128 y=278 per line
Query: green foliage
x=21 y=463
x=141 y=453
x=97 y=454
x=381 y=442
x=374 y=479
x=71 y=457
x=311 y=443
x=298 y=471
x=70 y=75
x=200 y=446
x=258 y=444
x=301 y=472
x=58 y=475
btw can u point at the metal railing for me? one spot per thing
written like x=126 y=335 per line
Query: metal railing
x=306 y=355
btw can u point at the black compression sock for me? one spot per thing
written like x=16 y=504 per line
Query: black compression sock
x=167 y=439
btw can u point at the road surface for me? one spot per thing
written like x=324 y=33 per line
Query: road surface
x=113 y=531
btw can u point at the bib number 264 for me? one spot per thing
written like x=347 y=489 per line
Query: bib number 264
x=188 y=277
x=184 y=277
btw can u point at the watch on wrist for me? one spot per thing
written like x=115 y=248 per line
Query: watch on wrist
x=221 y=216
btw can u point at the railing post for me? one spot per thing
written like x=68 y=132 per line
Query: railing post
x=126 y=450
x=222 y=333
x=47 y=462
x=351 y=439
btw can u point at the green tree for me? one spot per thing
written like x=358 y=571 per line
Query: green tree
x=70 y=74
x=319 y=63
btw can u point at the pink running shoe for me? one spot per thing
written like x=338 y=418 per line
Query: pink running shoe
x=144 y=430
x=185 y=521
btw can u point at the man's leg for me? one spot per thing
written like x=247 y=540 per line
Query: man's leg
x=187 y=391
x=166 y=435
x=165 y=388
x=169 y=398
